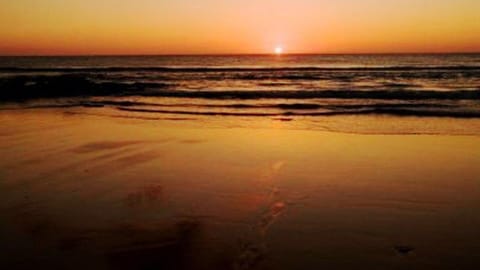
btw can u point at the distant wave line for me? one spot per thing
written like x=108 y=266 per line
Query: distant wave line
x=194 y=69
x=282 y=106
x=312 y=94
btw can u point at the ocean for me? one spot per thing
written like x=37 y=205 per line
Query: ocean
x=240 y=162
x=440 y=85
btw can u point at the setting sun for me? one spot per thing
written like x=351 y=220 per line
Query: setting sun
x=278 y=50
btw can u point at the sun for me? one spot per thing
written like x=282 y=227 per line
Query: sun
x=278 y=50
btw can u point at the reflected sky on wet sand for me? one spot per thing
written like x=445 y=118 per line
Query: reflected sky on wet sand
x=85 y=191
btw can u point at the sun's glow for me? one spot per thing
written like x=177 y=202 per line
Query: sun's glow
x=29 y=27
x=278 y=50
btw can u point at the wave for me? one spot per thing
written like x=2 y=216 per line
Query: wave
x=281 y=106
x=366 y=111
x=271 y=110
x=235 y=68
x=34 y=87
x=331 y=94
x=71 y=85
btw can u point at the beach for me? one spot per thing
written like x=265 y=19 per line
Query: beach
x=239 y=135
x=87 y=187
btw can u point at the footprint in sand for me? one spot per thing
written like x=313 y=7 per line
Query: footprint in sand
x=253 y=252
x=250 y=255
x=271 y=216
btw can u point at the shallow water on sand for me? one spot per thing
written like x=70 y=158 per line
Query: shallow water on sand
x=84 y=191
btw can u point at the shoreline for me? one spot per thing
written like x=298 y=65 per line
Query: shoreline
x=342 y=124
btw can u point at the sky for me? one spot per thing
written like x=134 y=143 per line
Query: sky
x=95 y=27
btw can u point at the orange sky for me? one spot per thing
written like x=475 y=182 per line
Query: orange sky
x=58 y=27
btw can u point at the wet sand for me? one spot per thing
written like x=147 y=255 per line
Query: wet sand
x=81 y=191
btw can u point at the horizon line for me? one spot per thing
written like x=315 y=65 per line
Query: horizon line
x=239 y=54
